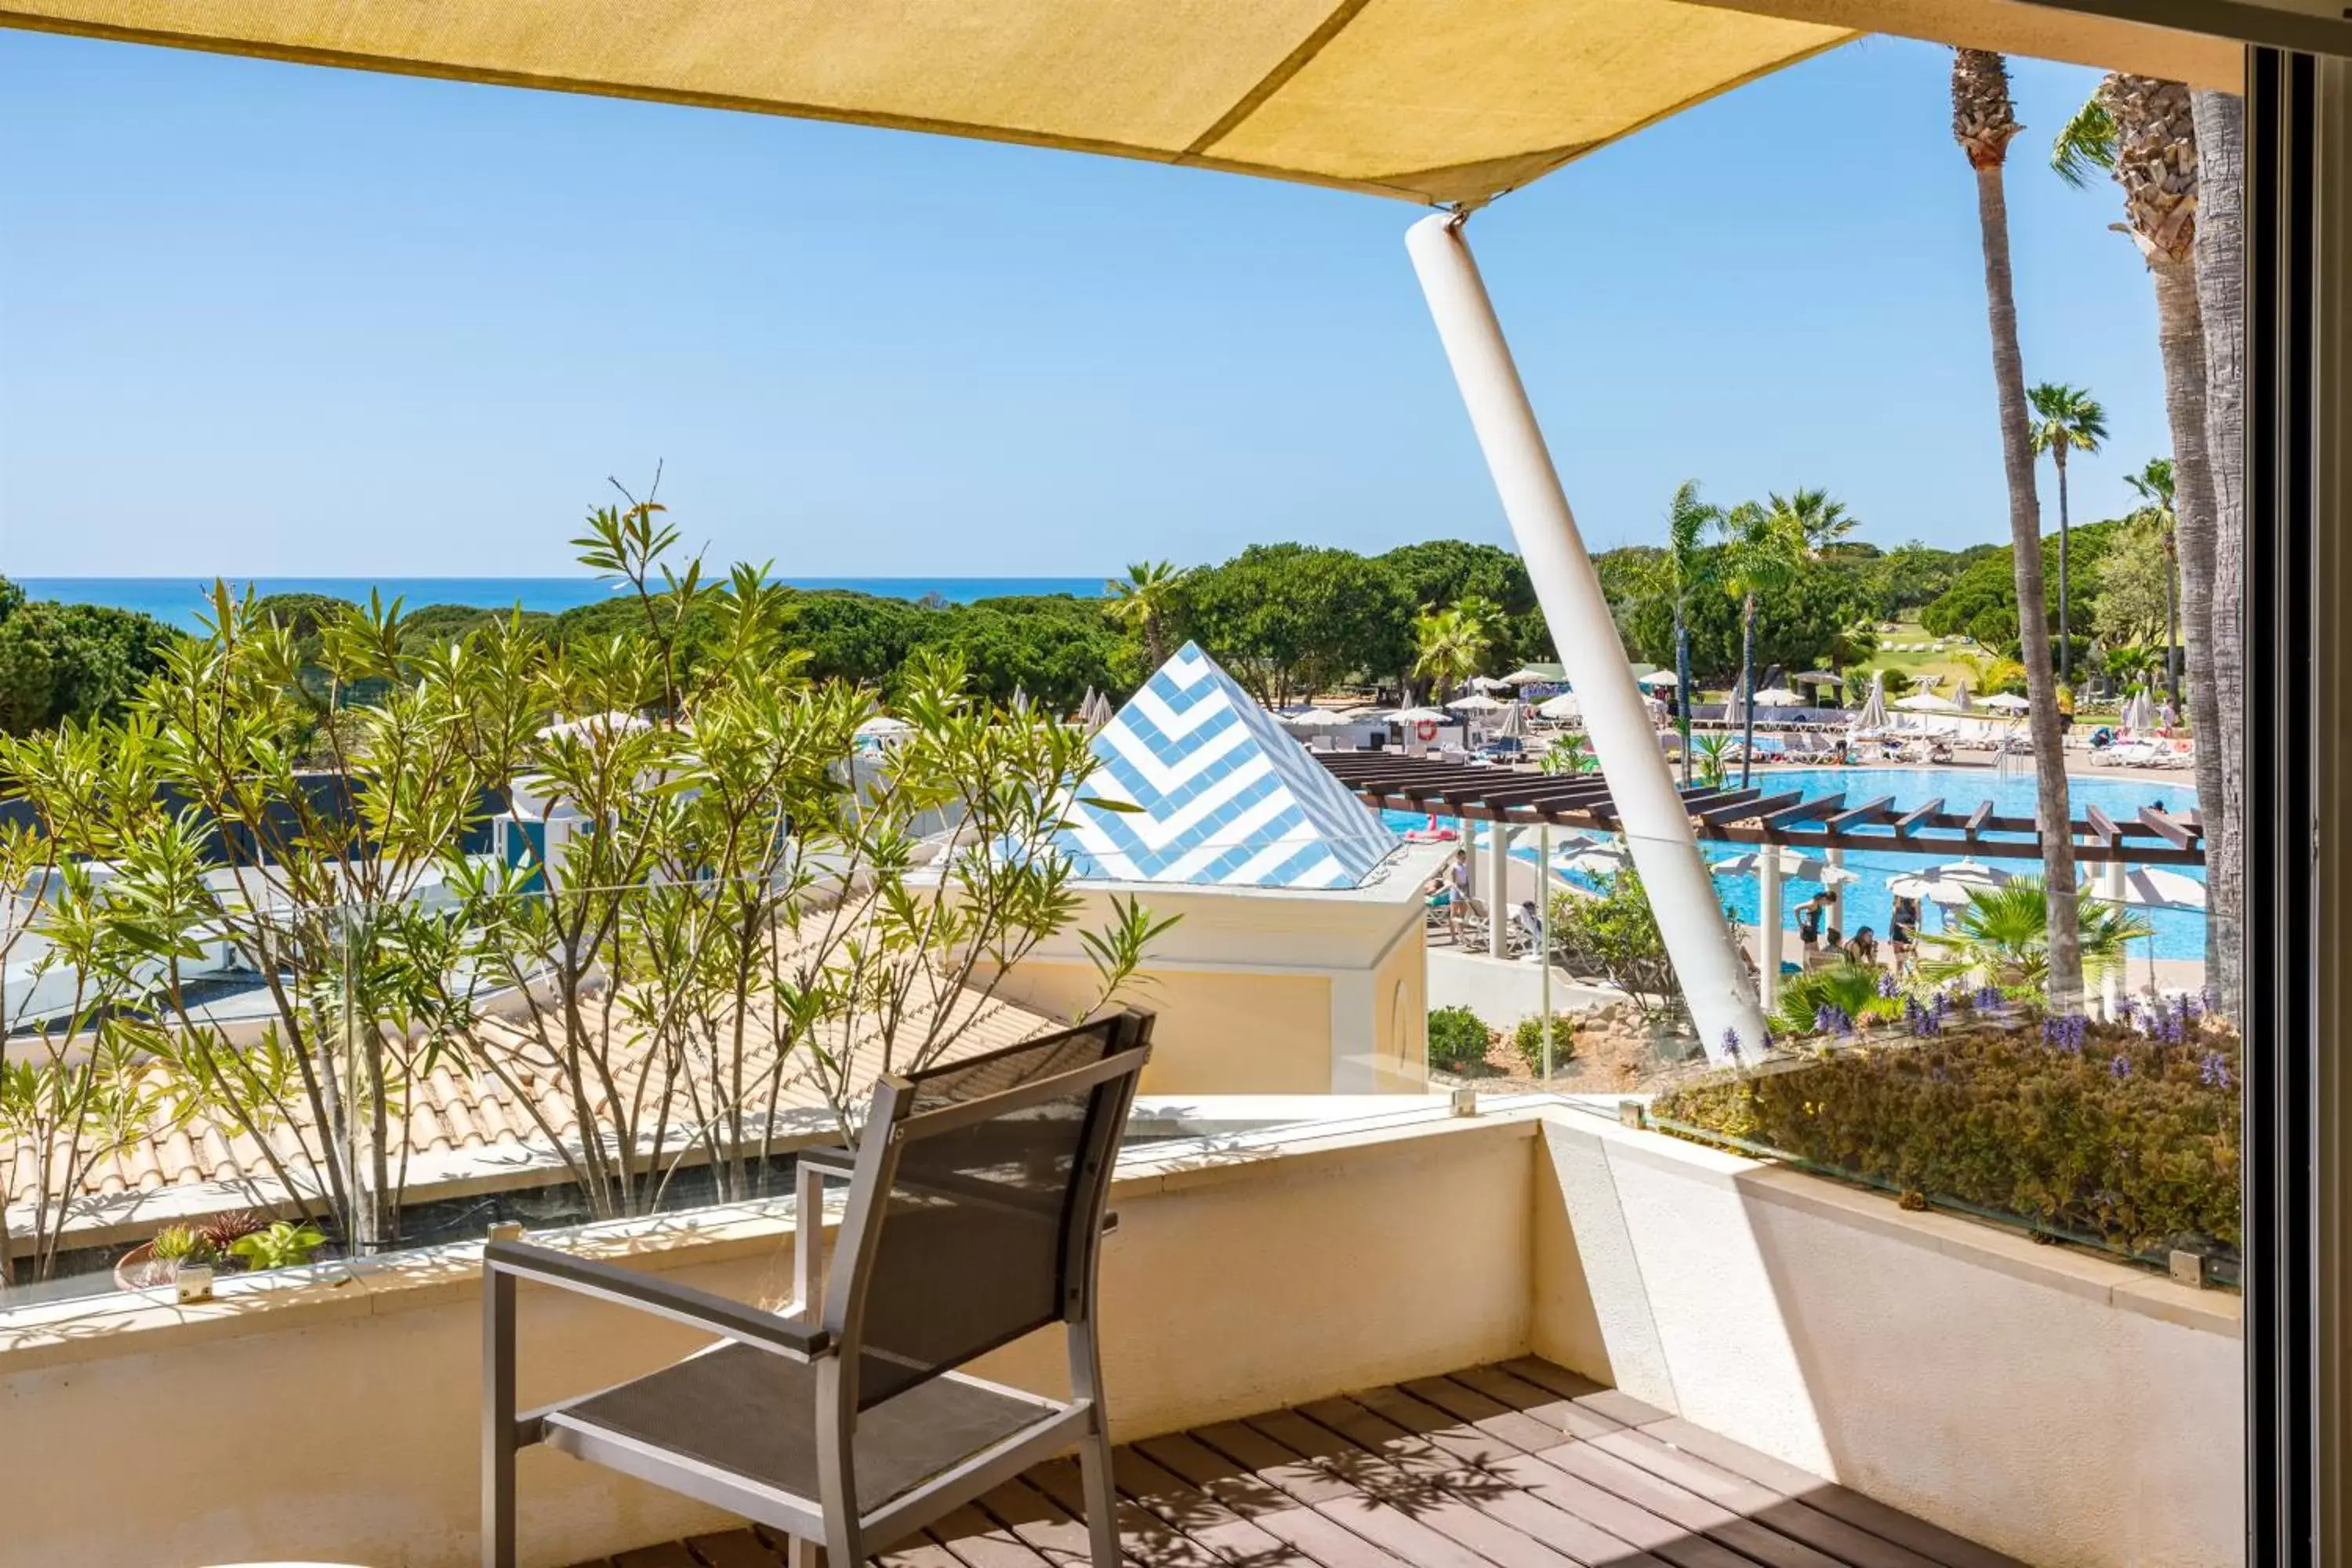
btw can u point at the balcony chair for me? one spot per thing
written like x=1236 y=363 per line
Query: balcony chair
x=976 y=1207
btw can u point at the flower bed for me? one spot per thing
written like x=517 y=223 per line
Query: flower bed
x=2126 y=1133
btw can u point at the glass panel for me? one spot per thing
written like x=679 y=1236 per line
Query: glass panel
x=1921 y=1038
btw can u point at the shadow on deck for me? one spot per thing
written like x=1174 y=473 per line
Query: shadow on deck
x=1520 y=1465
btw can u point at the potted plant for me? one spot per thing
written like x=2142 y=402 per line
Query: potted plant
x=209 y=1243
x=283 y=1245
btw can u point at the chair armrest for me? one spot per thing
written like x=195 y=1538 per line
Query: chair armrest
x=831 y=1158
x=732 y=1319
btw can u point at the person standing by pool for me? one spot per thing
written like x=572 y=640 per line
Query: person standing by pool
x=1810 y=915
x=1902 y=933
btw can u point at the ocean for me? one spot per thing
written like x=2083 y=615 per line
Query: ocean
x=180 y=600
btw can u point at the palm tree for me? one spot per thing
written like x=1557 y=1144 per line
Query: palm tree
x=1449 y=645
x=1984 y=122
x=1850 y=990
x=2066 y=419
x=2220 y=255
x=2143 y=133
x=1712 y=767
x=1762 y=551
x=1570 y=753
x=2153 y=485
x=1687 y=522
x=1141 y=602
x=2002 y=937
x=1819 y=523
x=1486 y=620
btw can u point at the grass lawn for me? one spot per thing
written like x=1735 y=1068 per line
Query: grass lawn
x=1944 y=662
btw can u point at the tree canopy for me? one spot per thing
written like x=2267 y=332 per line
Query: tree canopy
x=72 y=661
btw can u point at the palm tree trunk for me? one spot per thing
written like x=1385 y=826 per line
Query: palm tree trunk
x=2052 y=811
x=2222 y=302
x=1682 y=686
x=1747 y=688
x=2065 y=637
x=2172 y=621
x=2180 y=336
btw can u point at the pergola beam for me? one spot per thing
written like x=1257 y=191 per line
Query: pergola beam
x=1812 y=826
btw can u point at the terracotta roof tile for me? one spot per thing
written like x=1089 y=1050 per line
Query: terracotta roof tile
x=457 y=1106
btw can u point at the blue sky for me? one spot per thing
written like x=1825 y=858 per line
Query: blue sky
x=265 y=319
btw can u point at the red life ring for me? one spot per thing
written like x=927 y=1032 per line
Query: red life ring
x=1427 y=730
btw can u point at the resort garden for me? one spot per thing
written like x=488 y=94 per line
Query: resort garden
x=640 y=902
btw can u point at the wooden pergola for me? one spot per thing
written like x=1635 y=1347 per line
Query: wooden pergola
x=1857 y=820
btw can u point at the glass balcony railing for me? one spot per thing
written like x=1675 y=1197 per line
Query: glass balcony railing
x=1917 y=1034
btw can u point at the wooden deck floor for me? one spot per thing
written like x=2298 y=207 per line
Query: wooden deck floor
x=1515 y=1465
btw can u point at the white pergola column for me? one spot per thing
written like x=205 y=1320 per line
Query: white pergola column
x=1837 y=895
x=1768 y=930
x=1543 y=936
x=1705 y=950
x=2111 y=984
x=1498 y=890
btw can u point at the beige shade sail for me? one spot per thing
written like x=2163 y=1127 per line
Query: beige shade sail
x=1429 y=100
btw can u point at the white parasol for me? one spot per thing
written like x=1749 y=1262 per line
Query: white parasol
x=1874 y=707
x=1591 y=858
x=1948 y=884
x=1794 y=868
x=2148 y=887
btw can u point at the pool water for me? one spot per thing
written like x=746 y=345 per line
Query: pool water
x=2180 y=933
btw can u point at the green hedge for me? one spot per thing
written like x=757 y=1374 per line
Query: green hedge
x=2126 y=1137
x=1458 y=1039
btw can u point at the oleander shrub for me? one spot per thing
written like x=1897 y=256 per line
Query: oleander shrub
x=1615 y=933
x=1527 y=1042
x=2126 y=1133
x=1458 y=1039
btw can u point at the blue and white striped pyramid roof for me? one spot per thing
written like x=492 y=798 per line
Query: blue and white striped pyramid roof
x=1225 y=797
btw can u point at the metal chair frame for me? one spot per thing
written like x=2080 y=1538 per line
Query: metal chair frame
x=833 y=1341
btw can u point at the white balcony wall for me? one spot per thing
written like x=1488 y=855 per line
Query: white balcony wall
x=2061 y=1408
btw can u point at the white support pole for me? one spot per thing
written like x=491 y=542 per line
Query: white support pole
x=1767 y=929
x=2111 y=984
x=1837 y=895
x=1702 y=944
x=1498 y=890
x=1543 y=928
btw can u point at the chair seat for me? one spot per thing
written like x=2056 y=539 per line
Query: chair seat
x=752 y=1413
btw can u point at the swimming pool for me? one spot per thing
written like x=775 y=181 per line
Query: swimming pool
x=2180 y=933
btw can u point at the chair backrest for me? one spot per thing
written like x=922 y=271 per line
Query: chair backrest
x=976 y=1213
